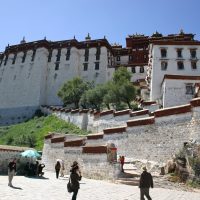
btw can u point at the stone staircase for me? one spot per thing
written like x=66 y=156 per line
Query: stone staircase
x=129 y=177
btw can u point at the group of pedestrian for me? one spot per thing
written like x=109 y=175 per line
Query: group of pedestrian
x=146 y=180
x=75 y=175
x=34 y=169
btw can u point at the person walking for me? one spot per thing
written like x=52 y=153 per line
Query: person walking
x=57 y=168
x=75 y=177
x=11 y=171
x=146 y=181
x=122 y=160
x=62 y=168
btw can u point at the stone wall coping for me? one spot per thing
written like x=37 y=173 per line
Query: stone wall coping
x=84 y=111
x=140 y=122
x=140 y=112
x=67 y=110
x=49 y=136
x=95 y=149
x=173 y=110
x=62 y=110
x=95 y=136
x=107 y=112
x=114 y=130
x=148 y=103
x=74 y=111
x=74 y=143
x=13 y=148
x=58 y=139
x=122 y=112
x=195 y=102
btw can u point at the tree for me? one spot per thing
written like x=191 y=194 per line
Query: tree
x=123 y=89
x=94 y=97
x=72 y=90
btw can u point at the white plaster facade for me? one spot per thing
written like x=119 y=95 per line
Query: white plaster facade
x=156 y=72
x=27 y=82
x=177 y=91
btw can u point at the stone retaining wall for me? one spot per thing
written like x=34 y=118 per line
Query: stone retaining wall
x=157 y=138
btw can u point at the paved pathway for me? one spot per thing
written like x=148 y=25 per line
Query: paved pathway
x=55 y=189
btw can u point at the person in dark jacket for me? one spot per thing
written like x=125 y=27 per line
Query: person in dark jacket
x=57 y=168
x=146 y=181
x=11 y=171
x=75 y=177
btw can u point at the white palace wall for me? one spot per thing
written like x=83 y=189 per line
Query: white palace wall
x=155 y=138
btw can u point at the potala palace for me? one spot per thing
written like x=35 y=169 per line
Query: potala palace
x=165 y=68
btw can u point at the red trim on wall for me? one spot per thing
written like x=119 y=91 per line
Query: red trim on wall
x=107 y=112
x=172 y=111
x=195 y=102
x=74 y=143
x=141 y=122
x=123 y=112
x=95 y=136
x=95 y=149
x=138 y=113
x=114 y=130
x=58 y=139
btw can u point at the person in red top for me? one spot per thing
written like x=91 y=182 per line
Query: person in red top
x=122 y=159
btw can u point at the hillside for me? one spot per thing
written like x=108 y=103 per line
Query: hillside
x=32 y=132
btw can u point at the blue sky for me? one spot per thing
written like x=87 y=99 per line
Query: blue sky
x=62 y=19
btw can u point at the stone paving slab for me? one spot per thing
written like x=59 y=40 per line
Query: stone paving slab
x=55 y=189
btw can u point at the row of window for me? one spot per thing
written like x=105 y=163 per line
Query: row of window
x=118 y=58
x=86 y=54
x=180 y=65
x=85 y=66
x=193 y=53
x=15 y=57
x=141 y=69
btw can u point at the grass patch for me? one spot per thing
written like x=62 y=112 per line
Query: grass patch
x=194 y=183
x=32 y=132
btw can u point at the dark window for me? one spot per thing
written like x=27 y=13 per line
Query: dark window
x=98 y=51
x=163 y=53
x=6 y=59
x=180 y=65
x=85 y=66
x=57 y=66
x=164 y=65
x=194 y=65
x=14 y=59
x=118 y=58
x=141 y=69
x=1 y=60
x=58 y=55
x=86 y=52
x=50 y=55
x=133 y=69
x=24 y=57
x=193 y=53
x=68 y=54
x=86 y=58
x=33 y=55
x=97 y=56
x=96 y=65
x=189 y=89
x=179 y=53
x=130 y=58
